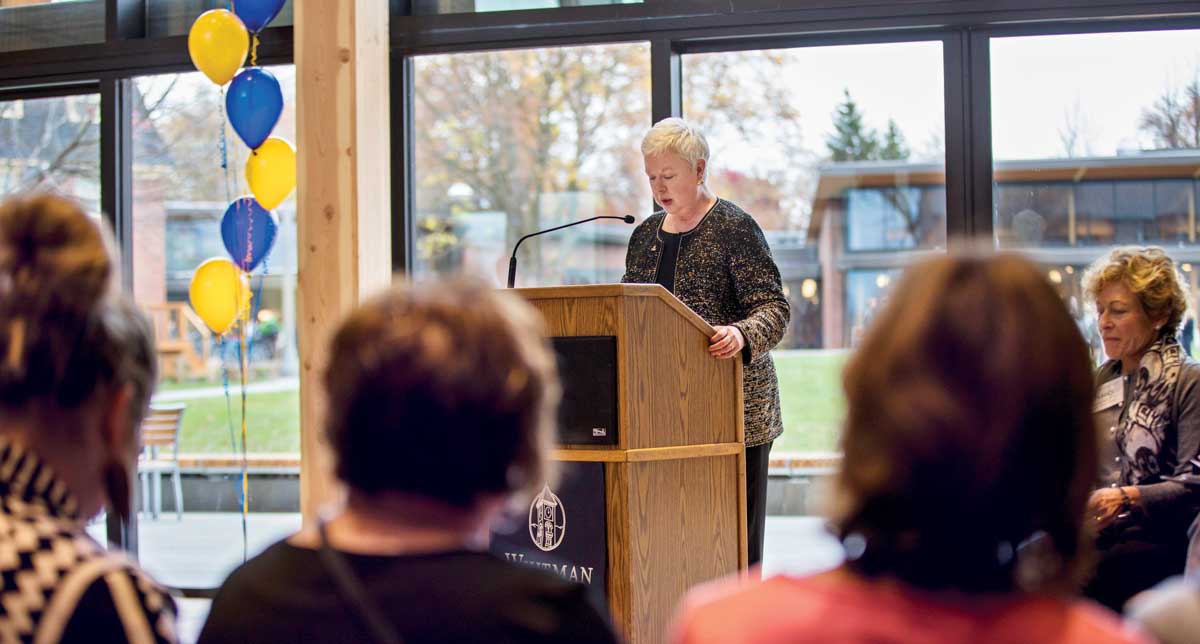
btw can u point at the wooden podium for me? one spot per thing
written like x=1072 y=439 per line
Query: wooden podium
x=676 y=479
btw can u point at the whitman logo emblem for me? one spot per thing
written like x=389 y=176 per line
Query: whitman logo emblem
x=547 y=520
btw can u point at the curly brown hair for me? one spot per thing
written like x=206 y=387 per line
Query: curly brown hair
x=442 y=370
x=1150 y=274
x=969 y=431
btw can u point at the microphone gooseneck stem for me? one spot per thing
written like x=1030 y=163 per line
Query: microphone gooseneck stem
x=512 y=261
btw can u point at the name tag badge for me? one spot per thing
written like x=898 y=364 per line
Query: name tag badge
x=1110 y=394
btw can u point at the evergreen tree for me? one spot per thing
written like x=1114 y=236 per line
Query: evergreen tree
x=894 y=147
x=851 y=140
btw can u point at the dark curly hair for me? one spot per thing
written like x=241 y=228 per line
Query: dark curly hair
x=442 y=389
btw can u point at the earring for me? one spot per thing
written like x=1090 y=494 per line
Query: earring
x=700 y=181
x=116 y=484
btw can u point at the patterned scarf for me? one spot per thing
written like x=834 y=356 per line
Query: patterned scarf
x=1141 y=436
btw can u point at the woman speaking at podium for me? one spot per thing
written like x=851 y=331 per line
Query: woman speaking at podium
x=713 y=256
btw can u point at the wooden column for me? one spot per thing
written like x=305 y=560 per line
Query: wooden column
x=343 y=209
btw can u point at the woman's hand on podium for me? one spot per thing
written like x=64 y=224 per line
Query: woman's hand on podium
x=727 y=342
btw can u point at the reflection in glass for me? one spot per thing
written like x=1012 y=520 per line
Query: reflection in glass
x=1098 y=212
x=895 y=218
x=866 y=293
x=175 y=17
x=510 y=142
x=52 y=144
x=180 y=193
x=40 y=24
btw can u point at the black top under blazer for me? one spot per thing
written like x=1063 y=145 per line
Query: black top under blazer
x=725 y=274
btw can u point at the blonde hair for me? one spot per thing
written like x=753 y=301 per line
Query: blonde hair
x=676 y=136
x=1150 y=274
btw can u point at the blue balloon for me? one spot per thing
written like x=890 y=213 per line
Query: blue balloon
x=255 y=14
x=248 y=231
x=254 y=103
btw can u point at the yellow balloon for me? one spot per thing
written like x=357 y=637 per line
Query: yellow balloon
x=271 y=172
x=218 y=43
x=220 y=293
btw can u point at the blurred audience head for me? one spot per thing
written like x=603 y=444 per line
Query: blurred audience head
x=77 y=360
x=969 y=442
x=444 y=390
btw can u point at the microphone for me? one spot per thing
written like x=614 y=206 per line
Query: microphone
x=512 y=261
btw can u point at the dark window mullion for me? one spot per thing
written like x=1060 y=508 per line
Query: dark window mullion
x=666 y=85
x=116 y=166
x=124 y=19
x=955 y=69
x=666 y=81
x=403 y=184
x=116 y=205
x=979 y=111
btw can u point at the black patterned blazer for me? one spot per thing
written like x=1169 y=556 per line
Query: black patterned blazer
x=725 y=274
x=56 y=583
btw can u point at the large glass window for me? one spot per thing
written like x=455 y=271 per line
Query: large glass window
x=841 y=177
x=52 y=144
x=1094 y=151
x=510 y=142
x=38 y=24
x=180 y=194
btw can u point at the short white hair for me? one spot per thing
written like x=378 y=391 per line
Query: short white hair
x=676 y=136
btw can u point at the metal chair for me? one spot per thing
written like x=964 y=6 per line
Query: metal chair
x=160 y=431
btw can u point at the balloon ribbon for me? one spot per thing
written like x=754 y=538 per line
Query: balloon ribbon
x=242 y=359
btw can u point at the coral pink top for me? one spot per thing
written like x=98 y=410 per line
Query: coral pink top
x=840 y=607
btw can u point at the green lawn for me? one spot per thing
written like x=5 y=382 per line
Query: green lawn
x=810 y=388
x=272 y=423
x=809 y=382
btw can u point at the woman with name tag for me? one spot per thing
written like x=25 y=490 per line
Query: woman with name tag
x=1148 y=414
x=441 y=400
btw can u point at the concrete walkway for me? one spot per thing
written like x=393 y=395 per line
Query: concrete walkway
x=235 y=389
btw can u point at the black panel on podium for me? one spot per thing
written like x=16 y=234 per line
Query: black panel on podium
x=587 y=366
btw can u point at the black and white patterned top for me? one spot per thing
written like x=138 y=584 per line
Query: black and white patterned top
x=58 y=584
x=725 y=274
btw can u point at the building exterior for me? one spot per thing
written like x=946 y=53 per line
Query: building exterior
x=870 y=219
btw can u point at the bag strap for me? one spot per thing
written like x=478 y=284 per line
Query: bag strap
x=353 y=593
